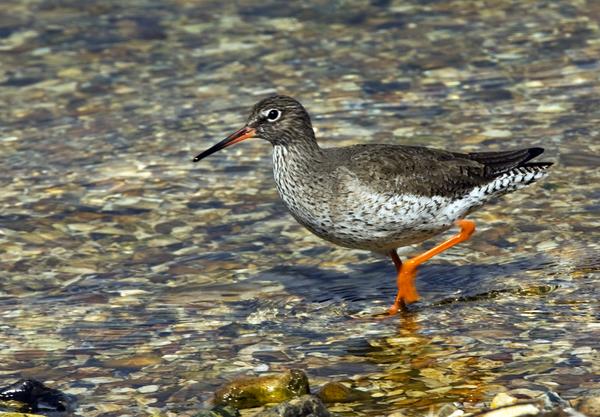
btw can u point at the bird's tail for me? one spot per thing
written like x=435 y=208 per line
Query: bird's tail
x=510 y=170
x=516 y=178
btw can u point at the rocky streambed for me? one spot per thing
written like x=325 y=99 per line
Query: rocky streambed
x=141 y=284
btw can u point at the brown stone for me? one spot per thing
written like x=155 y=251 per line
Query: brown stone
x=336 y=392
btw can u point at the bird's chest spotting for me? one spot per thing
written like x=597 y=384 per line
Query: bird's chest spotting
x=302 y=191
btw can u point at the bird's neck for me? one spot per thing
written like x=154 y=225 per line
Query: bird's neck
x=296 y=156
x=300 y=150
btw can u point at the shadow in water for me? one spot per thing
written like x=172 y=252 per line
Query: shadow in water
x=377 y=281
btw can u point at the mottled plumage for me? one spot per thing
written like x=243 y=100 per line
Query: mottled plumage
x=378 y=197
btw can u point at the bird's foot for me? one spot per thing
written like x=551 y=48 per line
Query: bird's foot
x=397 y=306
x=407 y=292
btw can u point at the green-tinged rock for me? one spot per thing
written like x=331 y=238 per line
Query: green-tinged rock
x=14 y=405
x=219 y=411
x=253 y=392
x=305 y=406
x=336 y=392
x=13 y=414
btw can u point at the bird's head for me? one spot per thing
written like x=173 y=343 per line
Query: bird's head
x=280 y=120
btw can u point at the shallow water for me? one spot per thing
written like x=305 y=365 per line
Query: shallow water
x=139 y=281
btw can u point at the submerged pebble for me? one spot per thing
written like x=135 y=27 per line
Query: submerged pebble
x=590 y=406
x=219 y=411
x=502 y=399
x=517 y=410
x=336 y=392
x=304 y=406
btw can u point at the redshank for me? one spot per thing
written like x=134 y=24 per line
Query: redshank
x=380 y=197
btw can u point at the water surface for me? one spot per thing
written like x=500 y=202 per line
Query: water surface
x=139 y=281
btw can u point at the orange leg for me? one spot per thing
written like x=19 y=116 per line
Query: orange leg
x=407 y=271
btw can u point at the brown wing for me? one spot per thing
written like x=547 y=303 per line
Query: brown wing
x=426 y=171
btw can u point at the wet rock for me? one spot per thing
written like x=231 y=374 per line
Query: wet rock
x=32 y=395
x=525 y=394
x=11 y=414
x=219 y=411
x=544 y=404
x=336 y=392
x=517 y=410
x=18 y=40
x=13 y=406
x=502 y=399
x=449 y=410
x=305 y=406
x=253 y=392
x=396 y=414
x=590 y=406
x=552 y=401
x=132 y=362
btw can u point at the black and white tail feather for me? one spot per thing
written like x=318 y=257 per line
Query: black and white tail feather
x=508 y=171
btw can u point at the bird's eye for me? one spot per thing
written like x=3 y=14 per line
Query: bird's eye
x=273 y=115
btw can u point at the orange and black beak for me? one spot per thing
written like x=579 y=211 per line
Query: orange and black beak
x=242 y=134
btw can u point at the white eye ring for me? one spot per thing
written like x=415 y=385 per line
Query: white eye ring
x=272 y=115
